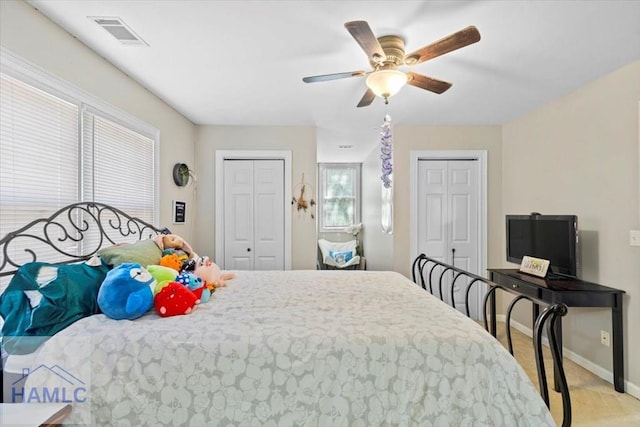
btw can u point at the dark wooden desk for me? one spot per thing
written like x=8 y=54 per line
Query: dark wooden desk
x=573 y=293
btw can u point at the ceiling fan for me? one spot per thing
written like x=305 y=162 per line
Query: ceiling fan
x=386 y=54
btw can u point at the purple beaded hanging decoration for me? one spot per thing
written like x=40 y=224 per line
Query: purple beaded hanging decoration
x=386 y=151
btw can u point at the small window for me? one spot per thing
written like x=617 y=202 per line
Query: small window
x=339 y=201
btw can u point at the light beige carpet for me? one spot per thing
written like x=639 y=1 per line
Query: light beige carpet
x=594 y=401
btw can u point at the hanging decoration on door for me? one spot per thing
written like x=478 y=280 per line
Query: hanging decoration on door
x=302 y=199
x=386 y=155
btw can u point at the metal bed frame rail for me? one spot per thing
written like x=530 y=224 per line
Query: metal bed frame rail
x=548 y=317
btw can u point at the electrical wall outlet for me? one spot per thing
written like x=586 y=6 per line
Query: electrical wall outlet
x=604 y=338
x=634 y=237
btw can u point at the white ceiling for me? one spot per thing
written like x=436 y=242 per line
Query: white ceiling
x=242 y=62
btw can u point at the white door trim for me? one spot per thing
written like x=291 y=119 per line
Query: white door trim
x=481 y=157
x=221 y=156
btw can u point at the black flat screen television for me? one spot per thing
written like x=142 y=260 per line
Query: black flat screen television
x=550 y=237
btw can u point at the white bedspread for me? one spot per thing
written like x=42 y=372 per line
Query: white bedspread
x=301 y=348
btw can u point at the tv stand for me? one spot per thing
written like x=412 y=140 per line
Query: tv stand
x=558 y=276
x=572 y=292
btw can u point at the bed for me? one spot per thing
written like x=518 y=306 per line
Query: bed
x=321 y=348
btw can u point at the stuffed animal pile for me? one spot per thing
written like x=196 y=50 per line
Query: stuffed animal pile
x=174 y=286
x=175 y=251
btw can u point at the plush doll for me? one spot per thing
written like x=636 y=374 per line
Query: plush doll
x=210 y=273
x=172 y=241
x=174 y=299
x=126 y=292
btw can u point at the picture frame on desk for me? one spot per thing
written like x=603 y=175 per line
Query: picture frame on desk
x=535 y=266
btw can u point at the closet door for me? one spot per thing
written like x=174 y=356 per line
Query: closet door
x=448 y=219
x=269 y=214
x=254 y=214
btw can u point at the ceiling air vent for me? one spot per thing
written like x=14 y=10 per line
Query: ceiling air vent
x=118 y=29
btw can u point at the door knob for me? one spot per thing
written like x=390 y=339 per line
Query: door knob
x=248 y=249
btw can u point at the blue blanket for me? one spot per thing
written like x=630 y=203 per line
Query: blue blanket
x=43 y=299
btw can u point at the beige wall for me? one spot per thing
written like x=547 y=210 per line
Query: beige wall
x=444 y=138
x=378 y=246
x=301 y=141
x=27 y=33
x=579 y=155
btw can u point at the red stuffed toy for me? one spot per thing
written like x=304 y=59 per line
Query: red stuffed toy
x=175 y=299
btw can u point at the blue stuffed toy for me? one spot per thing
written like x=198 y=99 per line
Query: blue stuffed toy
x=126 y=292
x=190 y=280
x=195 y=285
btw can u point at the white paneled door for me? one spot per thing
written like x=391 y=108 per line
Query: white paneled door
x=447 y=226
x=254 y=215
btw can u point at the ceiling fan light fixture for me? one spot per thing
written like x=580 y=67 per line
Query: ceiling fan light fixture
x=386 y=83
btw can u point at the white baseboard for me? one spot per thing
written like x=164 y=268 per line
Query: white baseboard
x=632 y=389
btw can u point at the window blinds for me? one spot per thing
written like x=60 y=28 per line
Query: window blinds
x=39 y=154
x=54 y=152
x=119 y=166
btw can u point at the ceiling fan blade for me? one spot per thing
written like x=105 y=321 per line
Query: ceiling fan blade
x=367 y=99
x=361 y=31
x=335 y=76
x=427 y=83
x=447 y=44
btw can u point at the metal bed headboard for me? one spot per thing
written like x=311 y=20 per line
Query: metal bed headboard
x=74 y=233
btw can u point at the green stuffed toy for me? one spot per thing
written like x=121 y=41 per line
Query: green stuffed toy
x=163 y=276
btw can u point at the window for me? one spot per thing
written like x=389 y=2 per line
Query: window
x=59 y=145
x=339 y=203
x=119 y=166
